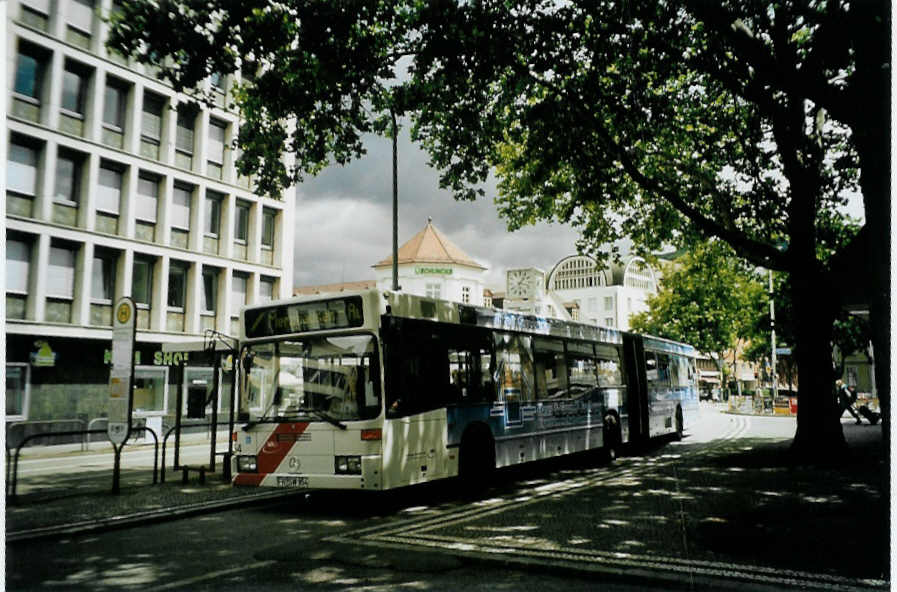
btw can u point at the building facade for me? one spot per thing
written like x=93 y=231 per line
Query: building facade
x=118 y=186
x=432 y=266
x=577 y=289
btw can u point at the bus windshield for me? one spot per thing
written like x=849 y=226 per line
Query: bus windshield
x=322 y=378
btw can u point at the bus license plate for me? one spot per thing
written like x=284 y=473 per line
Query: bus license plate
x=301 y=482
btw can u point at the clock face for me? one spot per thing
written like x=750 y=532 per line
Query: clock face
x=519 y=284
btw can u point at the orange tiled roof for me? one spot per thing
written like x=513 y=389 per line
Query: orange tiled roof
x=430 y=246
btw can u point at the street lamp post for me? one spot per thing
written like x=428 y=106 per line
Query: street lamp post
x=772 y=328
x=395 y=203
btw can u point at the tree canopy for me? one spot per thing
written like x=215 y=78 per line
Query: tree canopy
x=710 y=299
x=662 y=121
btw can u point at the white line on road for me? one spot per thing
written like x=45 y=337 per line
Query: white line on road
x=214 y=574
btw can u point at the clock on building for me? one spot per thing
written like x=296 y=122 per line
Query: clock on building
x=524 y=283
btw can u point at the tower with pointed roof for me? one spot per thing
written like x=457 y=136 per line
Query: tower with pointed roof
x=433 y=266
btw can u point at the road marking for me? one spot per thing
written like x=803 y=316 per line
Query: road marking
x=214 y=574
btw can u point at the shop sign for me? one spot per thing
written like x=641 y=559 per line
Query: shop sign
x=433 y=270
x=44 y=357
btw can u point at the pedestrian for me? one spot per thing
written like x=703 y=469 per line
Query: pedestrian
x=846 y=399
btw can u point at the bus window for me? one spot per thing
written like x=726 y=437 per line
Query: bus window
x=514 y=367
x=680 y=371
x=470 y=375
x=550 y=368
x=418 y=371
x=609 y=366
x=582 y=368
x=658 y=372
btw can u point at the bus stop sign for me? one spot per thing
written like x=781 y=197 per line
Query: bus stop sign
x=121 y=376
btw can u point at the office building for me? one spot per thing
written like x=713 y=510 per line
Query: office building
x=118 y=186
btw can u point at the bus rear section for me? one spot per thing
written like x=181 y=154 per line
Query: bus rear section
x=314 y=403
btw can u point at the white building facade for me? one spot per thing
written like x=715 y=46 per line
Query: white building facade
x=577 y=289
x=432 y=266
x=117 y=186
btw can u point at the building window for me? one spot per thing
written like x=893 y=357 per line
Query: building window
x=115 y=99
x=142 y=284
x=68 y=178
x=241 y=222
x=177 y=285
x=109 y=187
x=184 y=141
x=213 y=214
x=18 y=262
x=465 y=294
x=61 y=273
x=608 y=303
x=218 y=88
x=238 y=294
x=266 y=290
x=150 y=385
x=180 y=206
x=79 y=18
x=21 y=168
x=18 y=265
x=268 y=219
x=609 y=322
x=209 y=290
x=114 y=105
x=28 y=83
x=74 y=90
x=593 y=304
x=36 y=13
x=102 y=288
x=30 y=67
x=217 y=132
x=151 y=125
x=147 y=199
x=17 y=391
x=434 y=290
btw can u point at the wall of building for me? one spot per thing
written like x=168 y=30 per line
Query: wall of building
x=447 y=281
x=118 y=186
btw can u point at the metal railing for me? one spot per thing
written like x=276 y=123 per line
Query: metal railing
x=12 y=473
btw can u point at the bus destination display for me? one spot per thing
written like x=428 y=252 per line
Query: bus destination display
x=284 y=319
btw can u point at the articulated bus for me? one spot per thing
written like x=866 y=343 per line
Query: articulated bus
x=376 y=390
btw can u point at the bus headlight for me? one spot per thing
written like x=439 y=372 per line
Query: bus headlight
x=247 y=464
x=347 y=465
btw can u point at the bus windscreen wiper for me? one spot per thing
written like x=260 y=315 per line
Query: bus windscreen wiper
x=325 y=416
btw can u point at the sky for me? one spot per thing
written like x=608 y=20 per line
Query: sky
x=343 y=221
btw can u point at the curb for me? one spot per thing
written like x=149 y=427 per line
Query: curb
x=147 y=517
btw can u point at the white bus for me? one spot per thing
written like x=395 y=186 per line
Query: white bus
x=376 y=390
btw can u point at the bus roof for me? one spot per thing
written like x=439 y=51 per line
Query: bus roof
x=376 y=302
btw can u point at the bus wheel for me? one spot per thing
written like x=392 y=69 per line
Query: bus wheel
x=612 y=437
x=476 y=462
x=679 y=424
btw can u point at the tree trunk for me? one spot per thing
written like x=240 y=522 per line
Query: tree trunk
x=819 y=437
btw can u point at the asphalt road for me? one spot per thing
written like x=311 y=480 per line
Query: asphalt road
x=396 y=541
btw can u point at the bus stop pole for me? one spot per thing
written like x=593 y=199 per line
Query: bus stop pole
x=230 y=422
x=215 y=397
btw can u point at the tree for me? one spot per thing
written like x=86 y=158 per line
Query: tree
x=709 y=300
x=850 y=333
x=680 y=121
x=662 y=121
